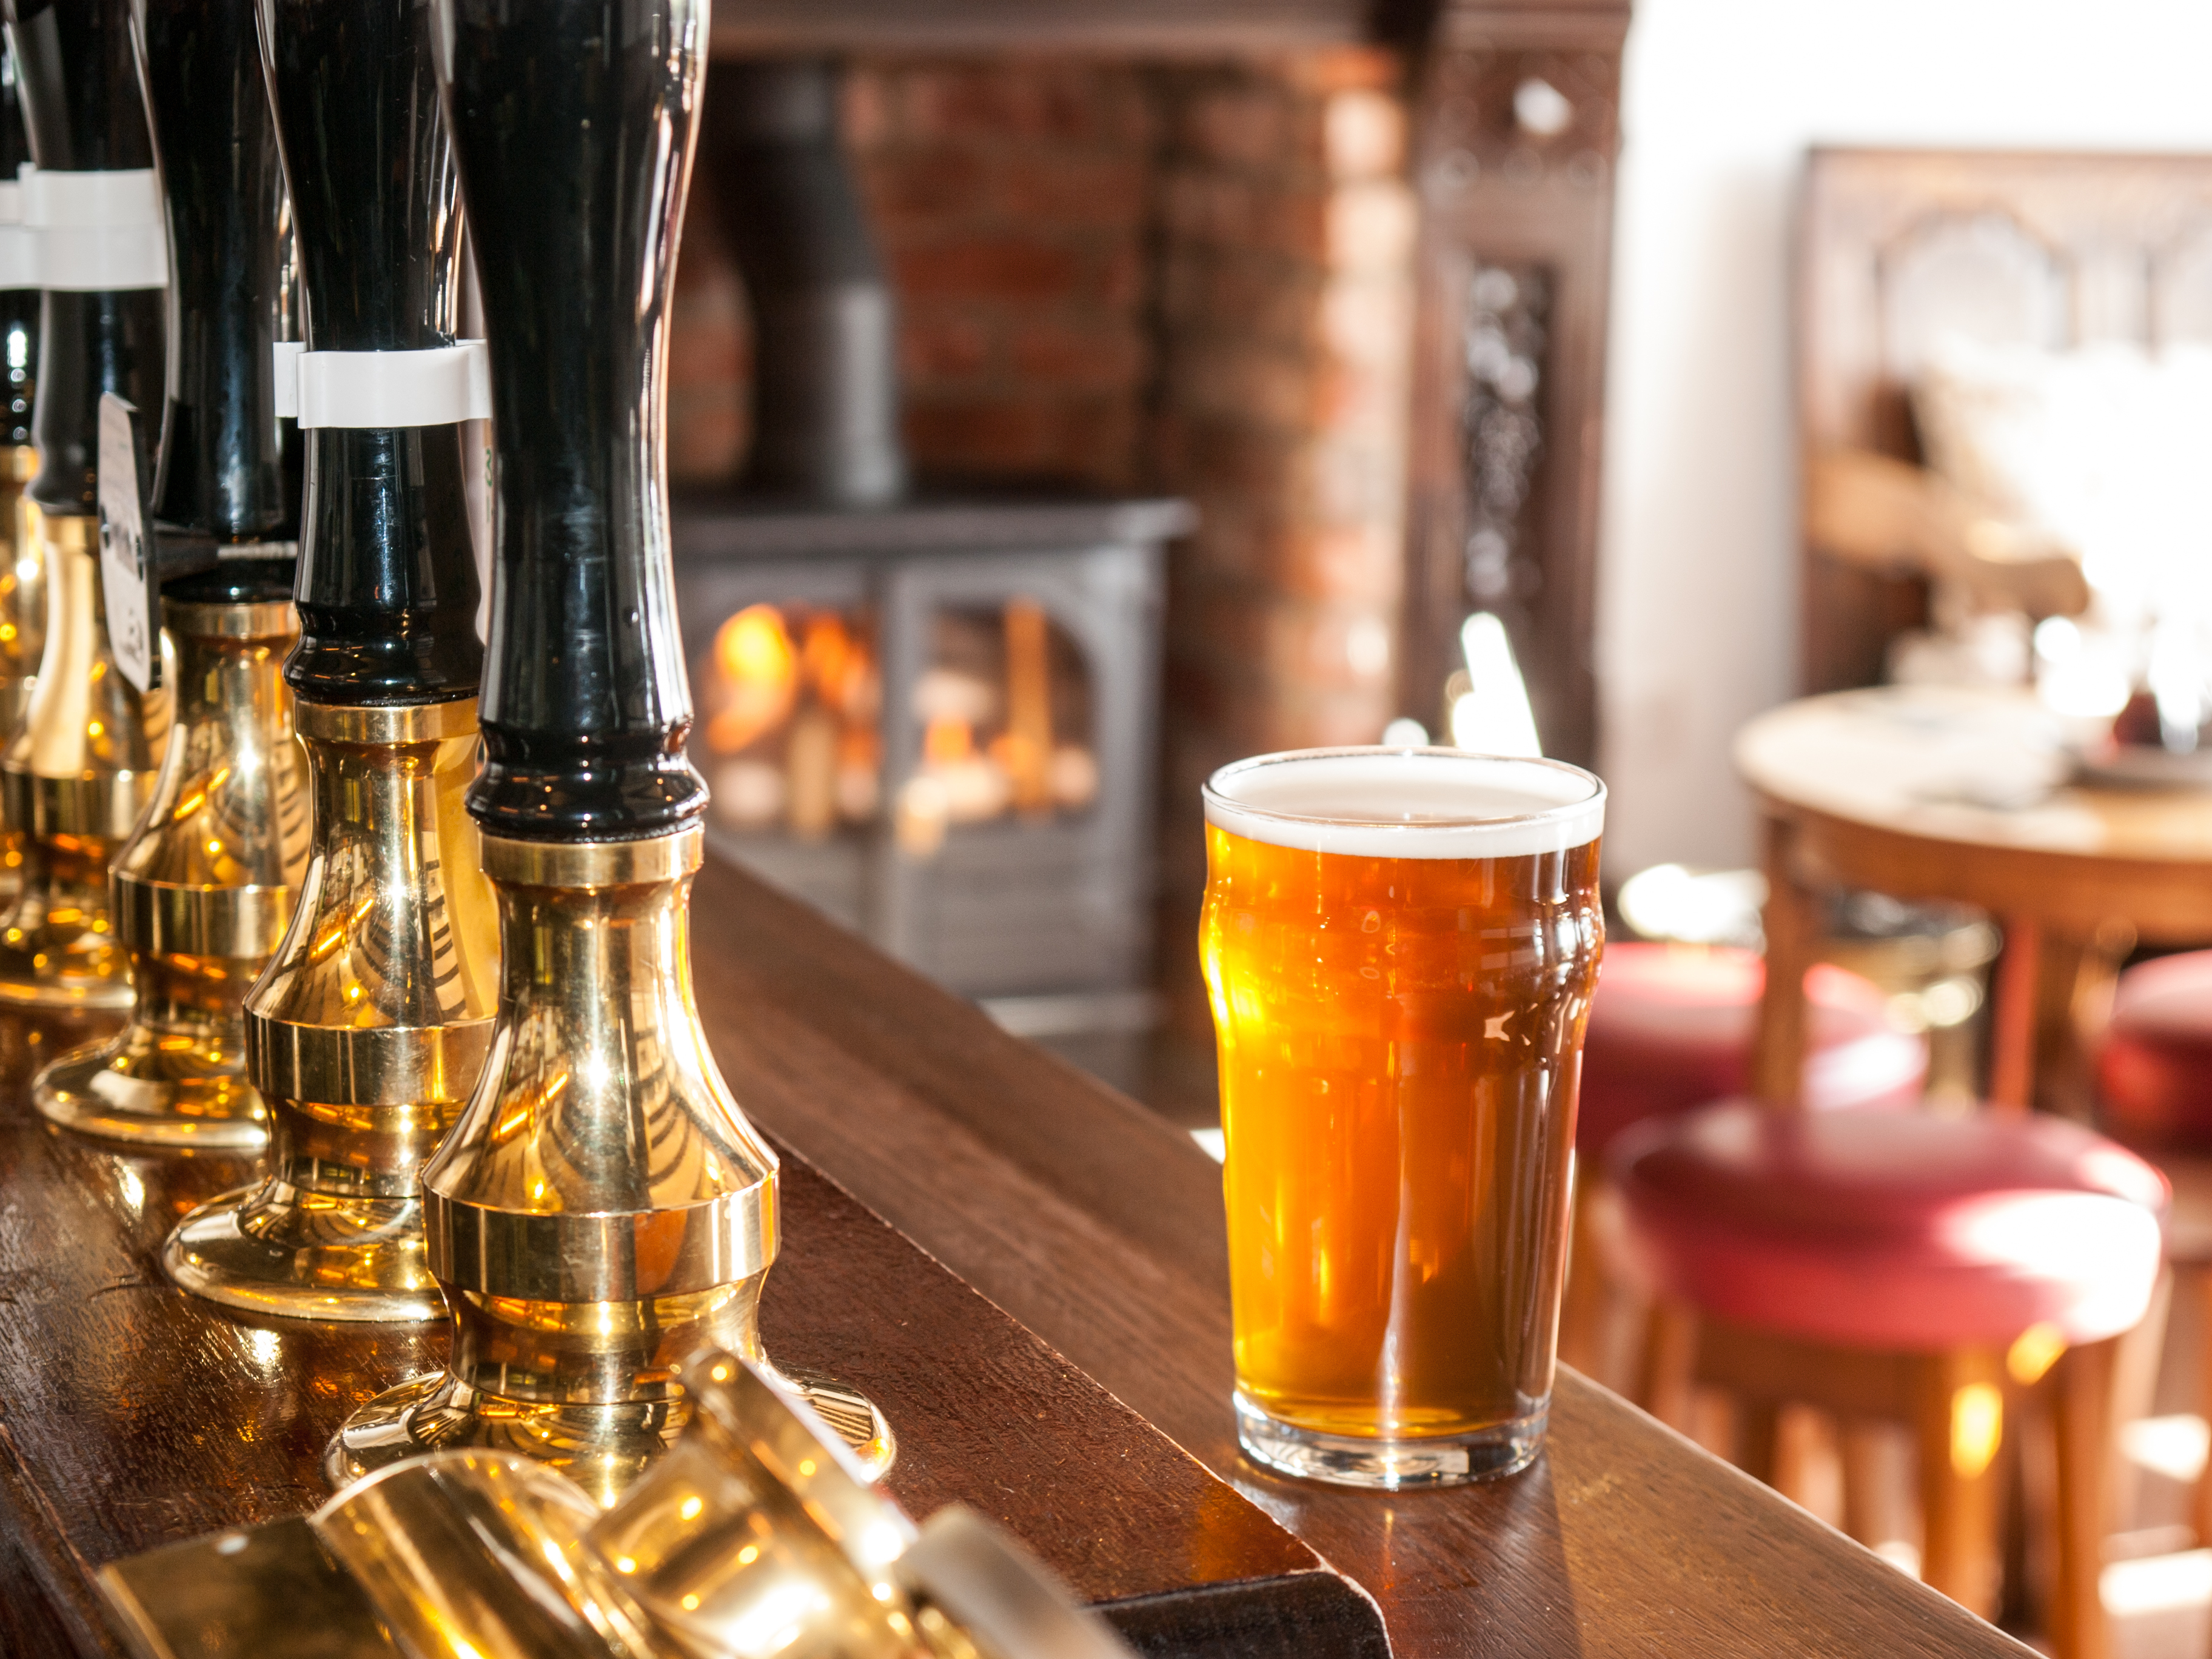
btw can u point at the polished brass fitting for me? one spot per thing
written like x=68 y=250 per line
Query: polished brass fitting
x=603 y=1209
x=74 y=778
x=203 y=892
x=22 y=625
x=22 y=587
x=367 y=1030
x=757 y=1509
x=759 y=1535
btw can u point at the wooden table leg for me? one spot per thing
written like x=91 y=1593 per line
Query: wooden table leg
x=1792 y=920
x=2012 y=1023
x=2074 y=1009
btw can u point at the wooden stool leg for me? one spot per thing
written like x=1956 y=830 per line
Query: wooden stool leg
x=1759 y=1440
x=1583 y=1307
x=2138 y=1355
x=2083 y=1380
x=1867 y=1481
x=1961 y=1422
x=1808 y=1461
x=1670 y=1364
x=2199 y=1280
x=2035 y=1441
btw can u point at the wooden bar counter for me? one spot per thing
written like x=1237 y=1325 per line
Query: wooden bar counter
x=130 y=1416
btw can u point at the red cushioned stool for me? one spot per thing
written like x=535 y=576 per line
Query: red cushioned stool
x=1671 y=1028
x=1902 y=1266
x=2154 y=1067
x=2154 y=1087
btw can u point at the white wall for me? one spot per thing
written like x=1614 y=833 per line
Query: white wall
x=1697 y=616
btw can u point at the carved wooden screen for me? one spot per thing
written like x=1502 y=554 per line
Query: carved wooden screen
x=1898 y=248
x=1516 y=137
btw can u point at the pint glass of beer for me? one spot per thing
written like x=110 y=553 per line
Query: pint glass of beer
x=1400 y=946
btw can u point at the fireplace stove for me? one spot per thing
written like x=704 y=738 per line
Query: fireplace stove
x=936 y=722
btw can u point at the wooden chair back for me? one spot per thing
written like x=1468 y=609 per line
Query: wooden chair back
x=1898 y=248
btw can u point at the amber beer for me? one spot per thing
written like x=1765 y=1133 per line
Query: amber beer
x=1401 y=946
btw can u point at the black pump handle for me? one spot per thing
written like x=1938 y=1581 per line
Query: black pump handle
x=387 y=587
x=573 y=125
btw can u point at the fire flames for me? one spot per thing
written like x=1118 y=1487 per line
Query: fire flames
x=792 y=703
x=759 y=678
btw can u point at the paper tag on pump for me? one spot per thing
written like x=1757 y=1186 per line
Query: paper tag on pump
x=126 y=562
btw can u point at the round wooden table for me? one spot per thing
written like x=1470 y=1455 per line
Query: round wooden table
x=1927 y=793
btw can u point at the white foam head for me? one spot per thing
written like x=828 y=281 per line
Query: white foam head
x=1407 y=803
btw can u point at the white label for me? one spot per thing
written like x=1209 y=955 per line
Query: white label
x=124 y=556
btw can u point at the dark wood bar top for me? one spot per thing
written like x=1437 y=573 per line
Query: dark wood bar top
x=1100 y=1228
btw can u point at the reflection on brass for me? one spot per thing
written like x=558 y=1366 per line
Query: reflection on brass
x=758 y=1534
x=22 y=587
x=603 y=1208
x=203 y=891
x=22 y=623
x=367 y=1032
x=73 y=780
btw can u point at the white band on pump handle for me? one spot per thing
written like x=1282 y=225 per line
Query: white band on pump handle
x=94 y=232
x=19 y=248
x=435 y=386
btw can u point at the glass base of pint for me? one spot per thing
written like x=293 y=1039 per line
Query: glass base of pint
x=1343 y=1460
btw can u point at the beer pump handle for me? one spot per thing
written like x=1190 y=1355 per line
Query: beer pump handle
x=387 y=588
x=220 y=479
x=573 y=124
x=84 y=115
x=19 y=305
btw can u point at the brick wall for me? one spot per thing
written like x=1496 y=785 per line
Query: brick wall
x=1194 y=279
x=1012 y=199
x=709 y=353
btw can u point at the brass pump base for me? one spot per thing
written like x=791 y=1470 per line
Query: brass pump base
x=22 y=587
x=368 y=1032
x=203 y=892
x=172 y=1077
x=282 y=1252
x=73 y=780
x=602 y=1210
